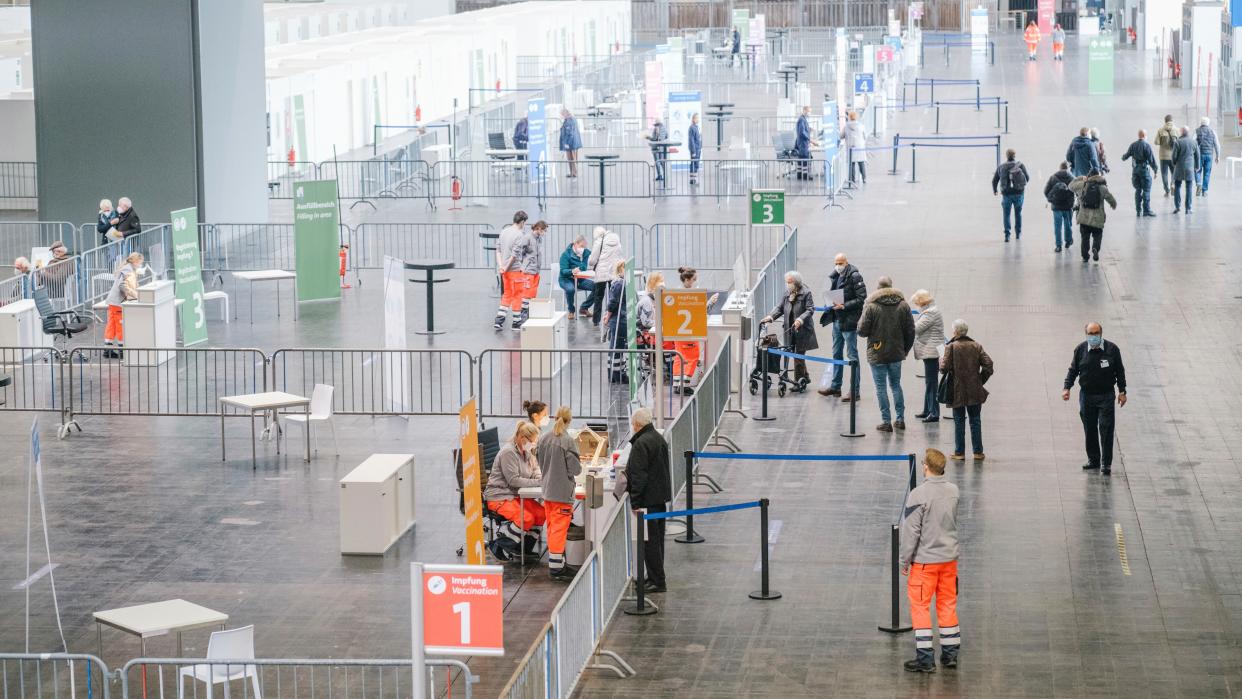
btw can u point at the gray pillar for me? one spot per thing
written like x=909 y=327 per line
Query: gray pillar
x=158 y=100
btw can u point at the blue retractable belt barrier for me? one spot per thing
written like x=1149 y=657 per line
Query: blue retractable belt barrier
x=920 y=144
x=821 y=309
x=948 y=138
x=802 y=457
x=702 y=510
x=795 y=355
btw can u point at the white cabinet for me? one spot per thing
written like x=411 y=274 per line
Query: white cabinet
x=151 y=321
x=377 y=503
x=545 y=334
x=21 y=326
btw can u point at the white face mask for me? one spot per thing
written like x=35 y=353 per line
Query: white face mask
x=790 y=288
x=839 y=268
x=543 y=421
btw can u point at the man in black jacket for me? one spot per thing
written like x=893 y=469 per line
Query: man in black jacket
x=1097 y=367
x=844 y=320
x=1144 y=173
x=647 y=482
x=1061 y=199
x=126 y=221
x=1012 y=177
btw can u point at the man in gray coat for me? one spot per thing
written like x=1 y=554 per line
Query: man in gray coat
x=1185 y=167
x=889 y=328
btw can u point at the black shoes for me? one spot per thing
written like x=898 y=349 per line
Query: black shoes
x=563 y=574
x=1090 y=466
x=916 y=666
x=948 y=662
x=920 y=415
x=884 y=427
x=829 y=391
x=1095 y=256
x=1058 y=249
x=900 y=424
x=652 y=587
x=1106 y=471
x=1151 y=214
x=932 y=418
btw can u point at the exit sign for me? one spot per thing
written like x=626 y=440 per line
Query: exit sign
x=767 y=207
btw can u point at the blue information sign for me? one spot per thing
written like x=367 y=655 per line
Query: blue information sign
x=537 y=131
x=864 y=82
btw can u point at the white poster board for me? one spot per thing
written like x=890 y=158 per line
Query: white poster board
x=398 y=377
x=681 y=106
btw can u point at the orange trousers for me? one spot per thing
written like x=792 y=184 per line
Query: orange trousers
x=114 y=331
x=526 y=516
x=938 y=580
x=686 y=361
x=558 y=515
x=515 y=289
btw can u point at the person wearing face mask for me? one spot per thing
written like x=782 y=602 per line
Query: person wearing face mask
x=1097 y=367
x=558 y=458
x=844 y=317
x=515 y=467
x=528 y=261
x=574 y=260
x=536 y=412
x=687 y=355
x=928 y=341
x=796 y=310
x=929 y=553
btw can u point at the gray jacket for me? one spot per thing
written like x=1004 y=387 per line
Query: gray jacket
x=929 y=523
x=528 y=253
x=1185 y=158
x=510 y=471
x=558 y=459
x=124 y=286
x=509 y=236
x=1088 y=216
x=928 y=333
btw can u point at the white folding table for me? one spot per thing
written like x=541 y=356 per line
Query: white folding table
x=268 y=275
x=261 y=402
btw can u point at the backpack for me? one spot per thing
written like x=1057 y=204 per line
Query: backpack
x=1017 y=177
x=1091 y=197
x=1060 y=195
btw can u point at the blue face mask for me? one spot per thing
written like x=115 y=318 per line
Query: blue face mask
x=1094 y=341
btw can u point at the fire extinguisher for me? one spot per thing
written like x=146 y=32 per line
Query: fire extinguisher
x=293 y=156
x=344 y=255
x=455 y=189
x=1239 y=116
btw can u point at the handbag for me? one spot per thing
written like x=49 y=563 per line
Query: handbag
x=944 y=390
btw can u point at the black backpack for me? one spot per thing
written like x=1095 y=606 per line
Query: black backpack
x=1091 y=196
x=1061 y=196
x=1017 y=176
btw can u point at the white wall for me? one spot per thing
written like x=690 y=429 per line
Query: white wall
x=17 y=138
x=1162 y=18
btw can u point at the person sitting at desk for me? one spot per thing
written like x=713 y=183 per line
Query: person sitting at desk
x=521 y=134
x=658 y=152
x=558 y=458
x=574 y=261
x=515 y=468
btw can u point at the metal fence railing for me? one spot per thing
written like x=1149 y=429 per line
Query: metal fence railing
x=36 y=379
x=771 y=281
x=380 y=178
x=370 y=243
x=19 y=180
x=18 y=238
x=53 y=676
x=379 y=381
x=282 y=175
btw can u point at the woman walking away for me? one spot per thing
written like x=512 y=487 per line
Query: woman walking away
x=928 y=339
x=124 y=288
x=615 y=321
x=968 y=367
x=606 y=252
x=795 y=310
x=557 y=453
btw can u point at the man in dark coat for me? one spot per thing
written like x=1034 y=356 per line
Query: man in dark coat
x=1082 y=154
x=695 y=143
x=126 y=221
x=1144 y=174
x=1097 y=368
x=802 y=144
x=889 y=328
x=1186 y=164
x=650 y=489
x=521 y=134
x=1061 y=199
x=844 y=320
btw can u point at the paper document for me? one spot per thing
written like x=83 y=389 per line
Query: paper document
x=836 y=297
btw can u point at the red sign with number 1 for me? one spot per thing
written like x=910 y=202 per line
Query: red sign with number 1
x=463 y=610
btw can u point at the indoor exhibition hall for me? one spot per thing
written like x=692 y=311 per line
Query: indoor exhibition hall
x=620 y=348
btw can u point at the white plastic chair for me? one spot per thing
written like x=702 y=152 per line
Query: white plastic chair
x=320 y=411
x=218 y=295
x=234 y=644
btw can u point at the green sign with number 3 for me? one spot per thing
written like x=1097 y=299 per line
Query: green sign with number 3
x=767 y=207
x=188 y=271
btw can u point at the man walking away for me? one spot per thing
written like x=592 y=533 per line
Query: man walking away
x=1097 y=367
x=658 y=135
x=1143 y=175
x=1209 y=151
x=696 y=148
x=929 y=557
x=647 y=481
x=1186 y=163
x=1092 y=192
x=888 y=326
x=1061 y=199
x=844 y=317
x=1082 y=154
x=1012 y=177
x=1165 y=136
x=510 y=294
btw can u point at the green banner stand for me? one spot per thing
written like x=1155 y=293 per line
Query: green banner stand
x=1100 y=66
x=316 y=240
x=188 y=274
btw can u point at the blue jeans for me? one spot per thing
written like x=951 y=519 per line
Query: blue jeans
x=931 y=376
x=844 y=346
x=1205 y=173
x=567 y=285
x=886 y=376
x=1014 y=202
x=959 y=429
x=1177 y=193
x=1063 y=220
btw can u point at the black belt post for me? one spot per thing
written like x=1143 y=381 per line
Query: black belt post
x=1006 y=117
x=853 y=403
x=914 y=162
x=640 y=607
x=937 y=106
x=764 y=592
x=897 y=146
x=895 y=619
x=978 y=91
x=767 y=381
x=689 y=537
x=914 y=476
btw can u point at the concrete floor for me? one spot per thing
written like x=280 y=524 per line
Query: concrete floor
x=142 y=509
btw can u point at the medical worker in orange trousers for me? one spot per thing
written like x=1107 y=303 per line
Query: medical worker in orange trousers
x=1031 y=37
x=515 y=468
x=506 y=265
x=687 y=354
x=557 y=453
x=929 y=558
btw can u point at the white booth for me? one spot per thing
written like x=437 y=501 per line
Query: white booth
x=151 y=321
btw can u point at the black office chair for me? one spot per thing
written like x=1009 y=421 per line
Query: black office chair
x=61 y=325
x=496 y=141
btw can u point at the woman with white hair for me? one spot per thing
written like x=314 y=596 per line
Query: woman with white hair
x=104 y=224
x=796 y=308
x=968 y=367
x=928 y=339
x=1209 y=151
x=606 y=252
x=1099 y=149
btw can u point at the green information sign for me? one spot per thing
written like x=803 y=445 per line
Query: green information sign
x=188 y=274
x=316 y=240
x=631 y=327
x=767 y=207
x=1100 y=66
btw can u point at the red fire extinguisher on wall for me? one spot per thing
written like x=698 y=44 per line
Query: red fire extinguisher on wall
x=455 y=189
x=344 y=255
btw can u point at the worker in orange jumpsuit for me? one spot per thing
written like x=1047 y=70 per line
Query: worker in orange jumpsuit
x=687 y=355
x=527 y=263
x=515 y=468
x=511 y=289
x=929 y=557
x=1058 y=43
x=1031 y=36
x=560 y=463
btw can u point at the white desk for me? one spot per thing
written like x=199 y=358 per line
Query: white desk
x=268 y=275
x=262 y=402
x=377 y=503
x=151 y=321
x=506 y=153
x=551 y=335
x=21 y=326
x=158 y=619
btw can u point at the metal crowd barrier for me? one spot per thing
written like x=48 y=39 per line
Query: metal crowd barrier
x=379 y=381
x=53 y=675
x=19 y=180
x=36 y=380
x=17 y=238
x=369 y=243
x=379 y=179
x=282 y=175
x=235 y=247
x=280 y=678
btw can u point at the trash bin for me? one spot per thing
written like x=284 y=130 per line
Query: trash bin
x=577 y=548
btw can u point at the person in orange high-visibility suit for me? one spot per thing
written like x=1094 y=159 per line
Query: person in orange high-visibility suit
x=1031 y=36
x=560 y=463
x=929 y=557
x=515 y=468
x=687 y=355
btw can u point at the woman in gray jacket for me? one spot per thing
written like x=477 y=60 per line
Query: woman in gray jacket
x=928 y=339
x=557 y=453
x=515 y=468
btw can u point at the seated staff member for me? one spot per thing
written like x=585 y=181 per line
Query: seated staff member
x=558 y=458
x=515 y=467
x=689 y=353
